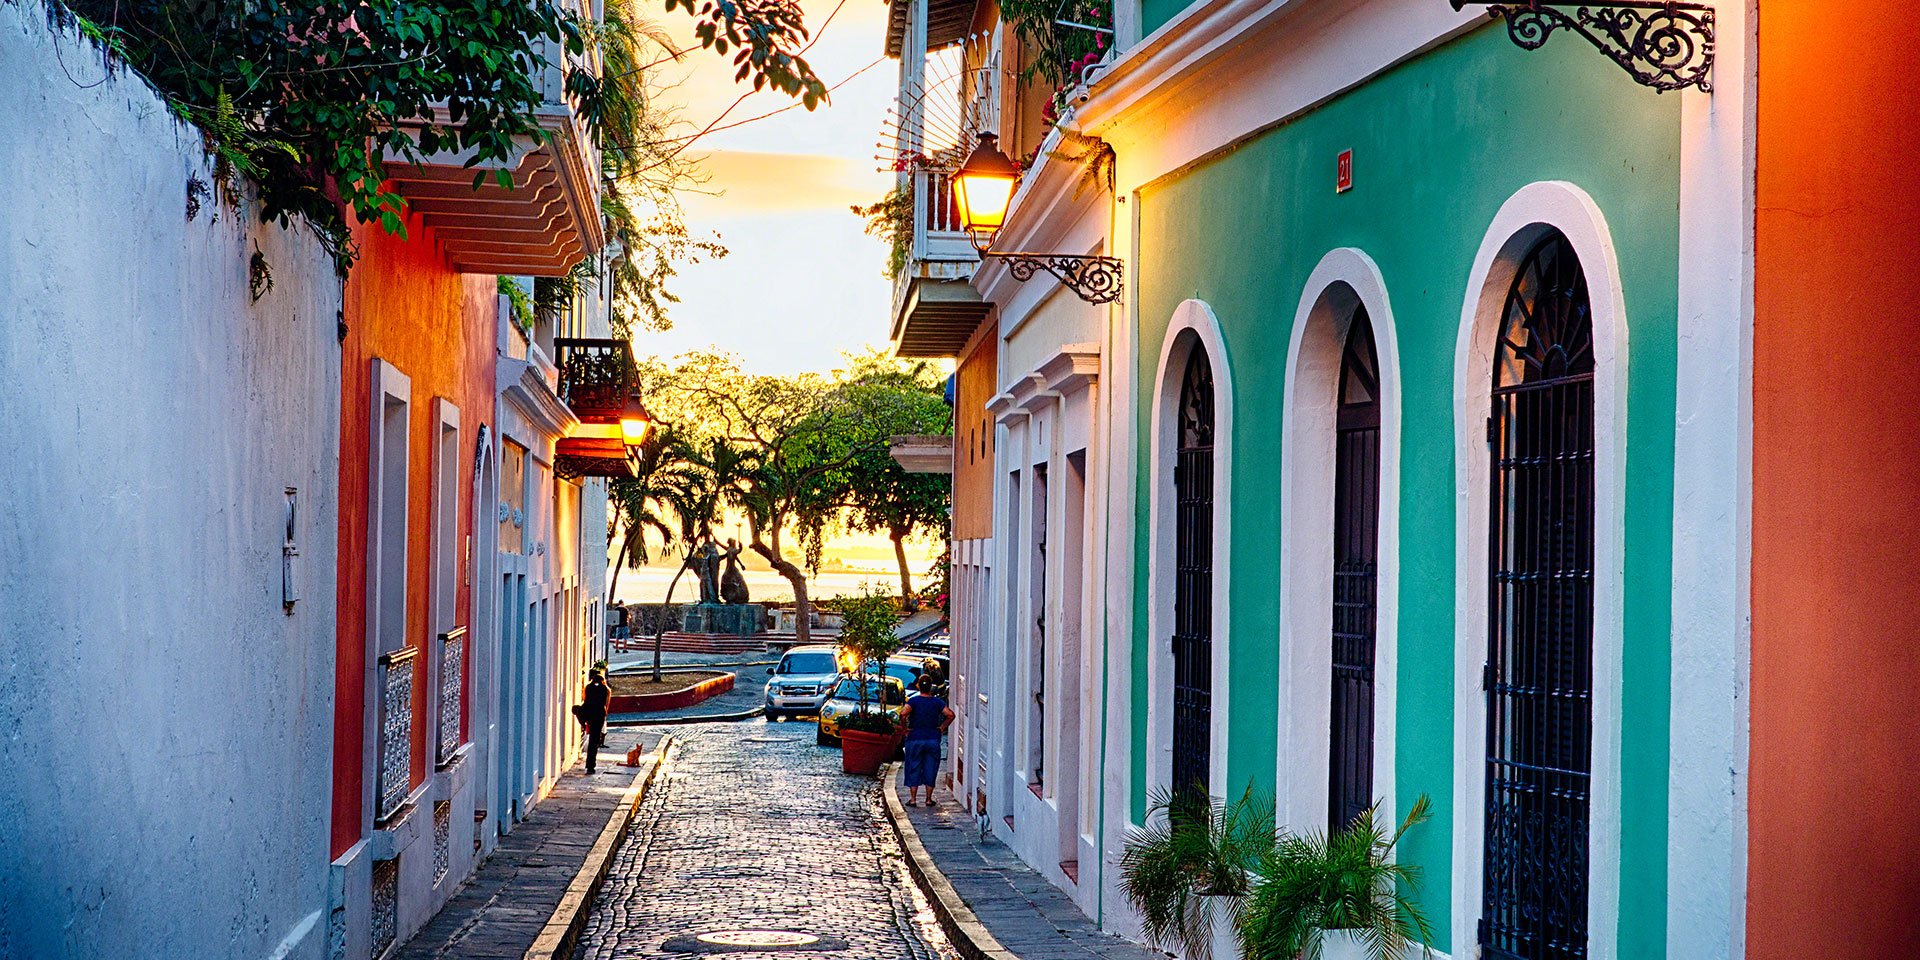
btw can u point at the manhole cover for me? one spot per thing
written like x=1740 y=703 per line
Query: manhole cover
x=758 y=938
x=729 y=941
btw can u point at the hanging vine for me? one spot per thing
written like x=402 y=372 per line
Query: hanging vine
x=310 y=102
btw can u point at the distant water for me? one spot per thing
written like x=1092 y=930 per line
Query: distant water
x=649 y=585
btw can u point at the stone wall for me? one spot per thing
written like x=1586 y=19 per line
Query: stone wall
x=164 y=718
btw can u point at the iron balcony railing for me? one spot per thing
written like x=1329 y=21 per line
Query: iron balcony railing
x=596 y=376
x=452 y=691
x=396 y=731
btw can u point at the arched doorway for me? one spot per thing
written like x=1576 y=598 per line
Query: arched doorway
x=1356 y=544
x=1539 y=671
x=1193 y=579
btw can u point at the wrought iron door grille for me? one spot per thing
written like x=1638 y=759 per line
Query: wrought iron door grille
x=1356 y=525
x=1540 y=646
x=1193 y=579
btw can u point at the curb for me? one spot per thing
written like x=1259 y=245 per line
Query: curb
x=556 y=939
x=968 y=934
x=685 y=697
x=707 y=718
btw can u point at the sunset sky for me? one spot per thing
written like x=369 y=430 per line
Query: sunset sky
x=802 y=282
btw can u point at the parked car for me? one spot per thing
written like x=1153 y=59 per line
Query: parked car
x=907 y=667
x=802 y=681
x=883 y=693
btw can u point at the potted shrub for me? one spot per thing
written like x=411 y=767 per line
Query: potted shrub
x=1192 y=865
x=1336 y=896
x=868 y=736
x=867 y=739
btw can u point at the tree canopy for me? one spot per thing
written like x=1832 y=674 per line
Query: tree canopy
x=799 y=457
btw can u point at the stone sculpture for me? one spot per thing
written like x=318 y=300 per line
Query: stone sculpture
x=733 y=584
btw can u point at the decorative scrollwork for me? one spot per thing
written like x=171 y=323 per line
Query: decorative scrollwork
x=1666 y=46
x=1094 y=279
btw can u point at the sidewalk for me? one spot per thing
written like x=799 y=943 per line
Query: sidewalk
x=532 y=891
x=991 y=904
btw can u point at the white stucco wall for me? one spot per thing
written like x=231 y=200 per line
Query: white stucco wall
x=165 y=727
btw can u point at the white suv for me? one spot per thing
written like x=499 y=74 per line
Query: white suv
x=802 y=682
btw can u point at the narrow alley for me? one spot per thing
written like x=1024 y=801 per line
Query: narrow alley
x=752 y=829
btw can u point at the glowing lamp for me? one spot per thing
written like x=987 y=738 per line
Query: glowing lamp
x=982 y=189
x=635 y=424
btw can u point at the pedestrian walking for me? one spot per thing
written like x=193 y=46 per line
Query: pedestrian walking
x=926 y=716
x=592 y=713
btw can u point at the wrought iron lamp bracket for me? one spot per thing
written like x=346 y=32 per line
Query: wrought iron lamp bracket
x=1094 y=279
x=1666 y=46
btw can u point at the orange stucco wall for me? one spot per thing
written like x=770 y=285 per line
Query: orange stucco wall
x=405 y=305
x=1836 y=485
x=974 y=384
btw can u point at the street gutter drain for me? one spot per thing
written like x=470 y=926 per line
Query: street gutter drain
x=729 y=941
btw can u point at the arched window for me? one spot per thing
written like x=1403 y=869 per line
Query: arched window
x=1539 y=673
x=1193 y=578
x=1356 y=539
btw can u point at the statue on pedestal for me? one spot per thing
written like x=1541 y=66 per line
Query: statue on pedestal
x=733 y=584
x=704 y=561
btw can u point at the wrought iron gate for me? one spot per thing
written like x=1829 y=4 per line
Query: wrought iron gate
x=1356 y=525
x=1193 y=578
x=1539 y=673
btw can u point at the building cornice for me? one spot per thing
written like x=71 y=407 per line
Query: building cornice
x=1228 y=69
x=1074 y=368
x=525 y=388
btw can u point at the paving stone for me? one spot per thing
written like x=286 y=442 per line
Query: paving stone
x=502 y=908
x=737 y=834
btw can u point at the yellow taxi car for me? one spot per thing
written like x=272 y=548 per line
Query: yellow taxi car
x=883 y=693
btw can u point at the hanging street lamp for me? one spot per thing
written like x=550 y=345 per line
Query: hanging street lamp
x=635 y=423
x=983 y=189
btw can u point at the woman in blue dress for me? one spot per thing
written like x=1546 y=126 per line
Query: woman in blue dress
x=926 y=717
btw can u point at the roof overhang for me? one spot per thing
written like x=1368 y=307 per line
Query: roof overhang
x=922 y=452
x=547 y=221
x=576 y=457
x=947 y=23
x=937 y=317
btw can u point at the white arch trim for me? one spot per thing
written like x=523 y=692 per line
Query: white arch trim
x=1344 y=277
x=1193 y=324
x=1524 y=218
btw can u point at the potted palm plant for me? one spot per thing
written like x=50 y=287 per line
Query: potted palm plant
x=867 y=737
x=1336 y=896
x=1192 y=864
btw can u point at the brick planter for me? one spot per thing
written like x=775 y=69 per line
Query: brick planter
x=651 y=702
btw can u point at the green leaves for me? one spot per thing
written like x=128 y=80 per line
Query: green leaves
x=1344 y=880
x=1193 y=862
x=302 y=98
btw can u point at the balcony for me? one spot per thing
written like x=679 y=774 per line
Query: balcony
x=453 y=689
x=935 y=307
x=547 y=222
x=596 y=379
x=394 y=676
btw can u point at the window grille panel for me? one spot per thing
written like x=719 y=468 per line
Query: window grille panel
x=1193 y=579
x=1540 y=647
x=1356 y=516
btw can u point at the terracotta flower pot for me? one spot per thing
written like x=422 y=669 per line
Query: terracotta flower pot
x=862 y=752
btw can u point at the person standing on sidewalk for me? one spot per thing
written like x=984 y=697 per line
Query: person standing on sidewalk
x=593 y=715
x=926 y=717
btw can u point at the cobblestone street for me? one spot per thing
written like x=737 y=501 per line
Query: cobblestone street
x=750 y=826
